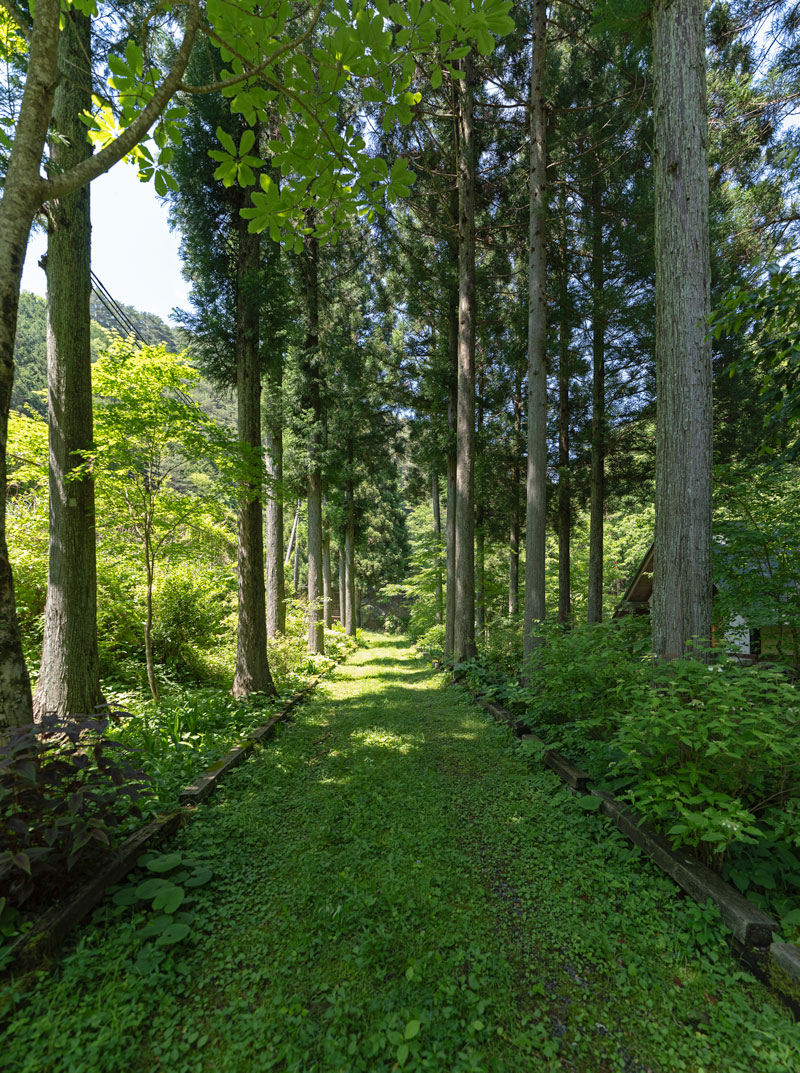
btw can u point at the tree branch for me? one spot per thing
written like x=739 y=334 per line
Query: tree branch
x=73 y=179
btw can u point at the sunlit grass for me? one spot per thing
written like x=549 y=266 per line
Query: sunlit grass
x=391 y=873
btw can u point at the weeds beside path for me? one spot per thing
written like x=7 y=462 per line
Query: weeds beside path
x=395 y=887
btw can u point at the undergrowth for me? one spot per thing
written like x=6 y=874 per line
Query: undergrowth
x=392 y=888
x=705 y=749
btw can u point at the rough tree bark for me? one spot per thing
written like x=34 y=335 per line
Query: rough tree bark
x=69 y=677
x=273 y=460
x=564 y=490
x=480 y=518
x=18 y=206
x=349 y=563
x=450 y=519
x=437 y=538
x=342 y=589
x=594 y=612
x=311 y=371
x=514 y=528
x=464 y=617
x=682 y=582
x=252 y=667
x=327 y=598
x=536 y=484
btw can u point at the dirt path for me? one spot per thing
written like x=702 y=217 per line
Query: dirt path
x=396 y=887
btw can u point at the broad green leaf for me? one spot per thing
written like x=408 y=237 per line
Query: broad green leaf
x=164 y=863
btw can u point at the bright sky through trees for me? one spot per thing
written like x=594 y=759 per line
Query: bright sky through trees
x=133 y=251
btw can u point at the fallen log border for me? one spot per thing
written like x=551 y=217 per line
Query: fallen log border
x=776 y=964
x=44 y=939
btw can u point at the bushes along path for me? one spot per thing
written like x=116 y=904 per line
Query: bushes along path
x=396 y=887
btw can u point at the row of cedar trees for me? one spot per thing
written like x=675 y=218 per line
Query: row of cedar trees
x=441 y=228
x=682 y=602
x=69 y=676
x=682 y=585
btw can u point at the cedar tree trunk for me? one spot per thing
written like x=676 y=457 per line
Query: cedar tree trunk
x=273 y=460
x=464 y=617
x=597 y=494
x=682 y=585
x=252 y=668
x=69 y=678
x=536 y=485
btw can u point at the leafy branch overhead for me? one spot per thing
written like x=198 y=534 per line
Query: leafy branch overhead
x=287 y=74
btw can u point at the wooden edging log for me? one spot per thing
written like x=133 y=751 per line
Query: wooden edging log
x=776 y=964
x=44 y=939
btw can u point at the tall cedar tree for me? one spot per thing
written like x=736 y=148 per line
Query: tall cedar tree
x=69 y=674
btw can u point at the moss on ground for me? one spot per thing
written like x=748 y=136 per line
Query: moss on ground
x=395 y=886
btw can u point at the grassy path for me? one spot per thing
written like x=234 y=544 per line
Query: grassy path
x=396 y=887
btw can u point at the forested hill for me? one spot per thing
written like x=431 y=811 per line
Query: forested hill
x=152 y=328
x=30 y=352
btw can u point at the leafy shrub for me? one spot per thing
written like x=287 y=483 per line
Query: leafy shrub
x=711 y=749
x=191 y=606
x=62 y=792
x=120 y=612
x=432 y=640
x=589 y=674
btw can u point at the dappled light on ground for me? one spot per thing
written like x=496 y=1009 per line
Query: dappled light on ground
x=396 y=887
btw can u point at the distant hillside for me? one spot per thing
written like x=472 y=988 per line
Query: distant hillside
x=30 y=353
x=152 y=328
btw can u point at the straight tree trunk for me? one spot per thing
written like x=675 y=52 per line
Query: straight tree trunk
x=437 y=537
x=311 y=358
x=536 y=484
x=513 y=537
x=480 y=534
x=564 y=490
x=597 y=493
x=273 y=459
x=316 y=625
x=327 y=596
x=252 y=668
x=349 y=564
x=69 y=678
x=450 y=520
x=342 y=589
x=18 y=206
x=292 y=535
x=296 y=566
x=464 y=617
x=682 y=582
x=480 y=573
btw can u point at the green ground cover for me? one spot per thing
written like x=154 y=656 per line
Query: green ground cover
x=395 y=886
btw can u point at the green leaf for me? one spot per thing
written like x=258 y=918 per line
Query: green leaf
x=402 y=1054
x=226 y=140
x=201 y=876
x=126 y=896
x=246 y=142
x=165 y=862
x=169 y=899
x=484 y=42
x=173 y=934
x=151 y=887
x=589 y=803
x=412 y=1029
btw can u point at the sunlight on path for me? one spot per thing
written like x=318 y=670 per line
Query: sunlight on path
x=396 y=887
